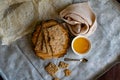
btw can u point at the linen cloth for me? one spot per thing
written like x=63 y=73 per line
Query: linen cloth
x=80 y=19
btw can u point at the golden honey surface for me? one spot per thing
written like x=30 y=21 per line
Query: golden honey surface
x=81 y=45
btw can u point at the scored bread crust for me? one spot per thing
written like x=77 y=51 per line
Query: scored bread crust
x=50 y=40
x=35 y=34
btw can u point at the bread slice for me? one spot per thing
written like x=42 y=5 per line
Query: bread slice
x=37 y=30
x=52 y=41
x=46 y=36
x=36 y=34
x=58 y=40
x=39 y=42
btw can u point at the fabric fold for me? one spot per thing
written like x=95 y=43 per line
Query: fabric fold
x=79 y=18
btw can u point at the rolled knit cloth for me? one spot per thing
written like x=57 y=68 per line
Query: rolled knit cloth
x=79 y=18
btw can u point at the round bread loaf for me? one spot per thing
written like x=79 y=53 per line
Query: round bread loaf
x=50 y=40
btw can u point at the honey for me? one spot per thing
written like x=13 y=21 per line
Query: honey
x=81 y=45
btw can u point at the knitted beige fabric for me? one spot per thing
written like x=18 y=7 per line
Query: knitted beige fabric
x=18 y=17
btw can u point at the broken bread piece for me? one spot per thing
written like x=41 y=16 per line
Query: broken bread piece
x=67 y=72
x=56 y=78
x=50 y=40
x=63 y=64
x=51 y=68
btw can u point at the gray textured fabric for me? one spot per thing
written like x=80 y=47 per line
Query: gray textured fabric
x=18 y=61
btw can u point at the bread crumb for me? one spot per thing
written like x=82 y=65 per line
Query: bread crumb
x=63 y=64
x=56 y=78
x=51 y=68
x=67 y=72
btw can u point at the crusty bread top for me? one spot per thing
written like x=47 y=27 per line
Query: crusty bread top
x=51 y=40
